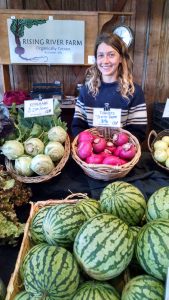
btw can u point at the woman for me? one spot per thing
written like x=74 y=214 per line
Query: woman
x=110 y=81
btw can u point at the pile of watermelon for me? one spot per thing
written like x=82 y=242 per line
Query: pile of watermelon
x=79 y=250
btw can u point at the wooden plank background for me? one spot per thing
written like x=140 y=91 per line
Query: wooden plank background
x=150 y=23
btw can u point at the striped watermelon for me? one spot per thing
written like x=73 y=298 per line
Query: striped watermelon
x=27 y=257
x=152 y=248
x=89 y=207
x=158 y=205
x=124 y=201
x=51 y=273
x=96 y=290
x=62 y=223
x=23 y=296
x=36 y=231
x=104 y=246
x=143 y=287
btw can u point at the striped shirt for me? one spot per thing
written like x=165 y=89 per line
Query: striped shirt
x=133 y=110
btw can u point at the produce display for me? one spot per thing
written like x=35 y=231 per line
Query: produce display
x=78 y=250
x=161 y=150
x=36 y=144
x=96 y=149
x=12 y=194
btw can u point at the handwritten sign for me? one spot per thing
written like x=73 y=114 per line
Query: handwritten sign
x=166 y=110
x=167 y=287
x=37 y=108
x=106 y=118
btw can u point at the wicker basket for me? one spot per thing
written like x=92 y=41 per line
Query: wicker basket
x=106 y=172
x=15 y=284
x=152 y=138
x=36 y=179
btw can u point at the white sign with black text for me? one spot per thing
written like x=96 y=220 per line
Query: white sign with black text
x=107 y=118
x=37 y=108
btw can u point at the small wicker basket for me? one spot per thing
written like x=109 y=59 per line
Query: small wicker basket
x=36 y=179
x=107 y=172
x=15 y=284
x=152 y=138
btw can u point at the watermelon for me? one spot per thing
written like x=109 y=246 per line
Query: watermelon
x=27 y=257
x=158 y=205
x=23 y=295
x=124 y=201
x=62 y=223
x=89 y=207
x=143 y=287
x=96 y=290
x=36 y=230
x=152 y=248
x=104 y=246
x=51 y=273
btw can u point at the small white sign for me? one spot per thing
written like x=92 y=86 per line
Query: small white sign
x=91 y=59
x=167 y=286
x=37 y=108
x=107 y=118
x=166 y=110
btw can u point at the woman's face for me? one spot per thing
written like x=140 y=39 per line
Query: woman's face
x=108 y=60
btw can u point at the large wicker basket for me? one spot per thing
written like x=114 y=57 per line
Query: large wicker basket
x=107 y=172
x=152 y=138
x=15 y=284
x=36 y=179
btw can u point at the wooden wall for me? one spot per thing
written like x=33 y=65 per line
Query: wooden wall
x=150 y=23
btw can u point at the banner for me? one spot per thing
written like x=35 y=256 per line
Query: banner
x=46 y=41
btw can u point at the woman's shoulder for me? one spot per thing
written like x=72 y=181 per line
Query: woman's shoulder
x=137 y=87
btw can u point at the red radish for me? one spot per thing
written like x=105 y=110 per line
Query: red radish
x=94 y=159
x=120 y=138
x=84 y=149
x=105 y=153
x=128 y=151
x=85 y=136
x=99 y=144
x=123 y=161
x=117 y=151
x=112 y=160
x=110 y=146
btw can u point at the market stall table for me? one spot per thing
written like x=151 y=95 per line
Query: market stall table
x=146 y=175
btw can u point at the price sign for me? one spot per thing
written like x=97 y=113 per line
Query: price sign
x=167 y=286
x=37 y=108
x=107 y=118
x=166 y=110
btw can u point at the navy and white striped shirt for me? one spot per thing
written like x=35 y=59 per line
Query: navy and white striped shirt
x=133 y=110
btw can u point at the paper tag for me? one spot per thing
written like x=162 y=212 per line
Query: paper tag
x=37 y=108
x=107 y=118
x=91 y=59
x=167 y=286
x=166 y=110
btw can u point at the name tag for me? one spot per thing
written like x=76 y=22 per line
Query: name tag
x=107 y=118
x=37 y=108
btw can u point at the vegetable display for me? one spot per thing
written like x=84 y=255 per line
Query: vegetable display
x=96 y=149
x=103 y=246
x=12 y=194
x=161 y=151
x=38 y=143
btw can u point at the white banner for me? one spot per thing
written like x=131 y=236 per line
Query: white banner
x=46 y=41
